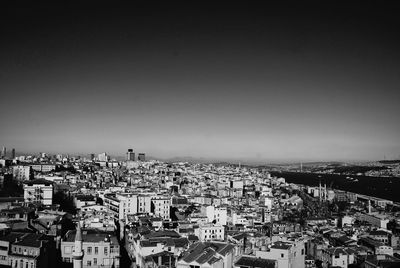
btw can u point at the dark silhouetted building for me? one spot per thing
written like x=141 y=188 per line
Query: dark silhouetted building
x=142 y=157
x=130 y=155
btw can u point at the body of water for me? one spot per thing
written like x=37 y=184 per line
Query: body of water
x=383 y=187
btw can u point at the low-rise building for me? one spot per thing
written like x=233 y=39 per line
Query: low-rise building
x=27 y=250
x=210 y=232
x=100 y=249
x=287 y=254
x=207 y=255
x=337 y=257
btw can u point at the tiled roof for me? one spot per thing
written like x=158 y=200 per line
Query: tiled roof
x=30 y=240
x=202 y=252
x=11 y=237
x=38 y=181
x=255 y=262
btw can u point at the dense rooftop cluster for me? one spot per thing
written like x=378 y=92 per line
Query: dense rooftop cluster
x=98 y=212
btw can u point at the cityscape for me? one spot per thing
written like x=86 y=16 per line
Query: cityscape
x=200 y=135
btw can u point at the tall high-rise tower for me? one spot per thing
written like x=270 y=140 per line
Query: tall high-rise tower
x=130 y=155
x=3 y=152
x=77 y=255
x=13 y=153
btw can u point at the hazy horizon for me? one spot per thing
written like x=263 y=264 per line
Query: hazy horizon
x=316 y=82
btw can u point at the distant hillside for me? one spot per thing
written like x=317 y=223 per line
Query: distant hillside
x=389 y=161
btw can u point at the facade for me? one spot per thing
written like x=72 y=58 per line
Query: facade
x=287 y=254
x=121 y=204
x=43 y=168
x=22 y=173
x=162 y=206
x=337 y=257
x=210 y=232
x=3 y=152
x=26 y=250
x=375 y=219
x=217 y=214
x=84 y=200
x=103 y=157
x=38 y=191
x=144 y=203
x=90 y=248
x=376 y=246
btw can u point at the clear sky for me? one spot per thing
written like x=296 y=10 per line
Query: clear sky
x=280 y=83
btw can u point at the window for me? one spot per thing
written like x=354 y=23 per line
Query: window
x=89 y=263
x=89 y=250
x=106 y=251
x=67 y=250
x=96 y=250
x=94 y=261
x=282 y=255
x=302 y=251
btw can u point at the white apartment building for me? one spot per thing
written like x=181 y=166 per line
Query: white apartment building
x=287 y=254
x=121 y=204
x=21 y=173
x=162 y=205
x=38 y=191
x=144 y=203
x=217 y=214
x=210 y=232
x=100 y=249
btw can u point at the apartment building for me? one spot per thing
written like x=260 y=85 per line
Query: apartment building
x=38 y=191
x=100 y=249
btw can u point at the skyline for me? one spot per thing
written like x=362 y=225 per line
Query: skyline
x=292 y=84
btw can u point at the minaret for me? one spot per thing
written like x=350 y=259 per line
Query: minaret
x=319 y=192
x=77 y=255
x=369 y=206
